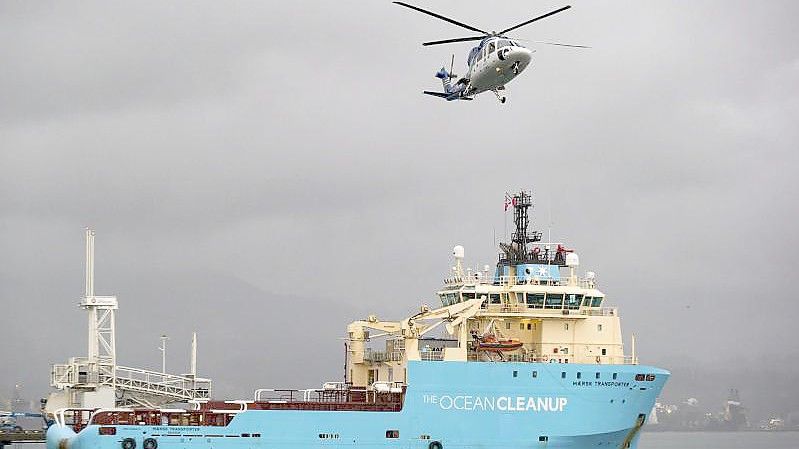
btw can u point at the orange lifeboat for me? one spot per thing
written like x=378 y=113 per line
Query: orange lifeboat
x=493 y=344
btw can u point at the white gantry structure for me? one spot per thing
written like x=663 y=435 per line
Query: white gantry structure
x=97 y=381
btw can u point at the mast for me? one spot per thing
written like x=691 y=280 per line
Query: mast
x=193 y=367
x=101 y=354
x=517 y=250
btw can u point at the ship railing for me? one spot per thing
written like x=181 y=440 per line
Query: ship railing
x=601 y=311
x=532 y=357
x=63 y=375
x=77 y=372
x=153 y=382
x=331 y=392
x=383 y=356
x=163 y=417
x=616 y=360
x=478 y=278
x=537 y=309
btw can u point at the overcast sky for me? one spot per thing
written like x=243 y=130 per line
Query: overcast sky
x=265 y=172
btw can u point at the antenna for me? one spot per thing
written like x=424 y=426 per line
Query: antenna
x=89 y=286
x=549 y=225
x=162 y=348
x=193 y=368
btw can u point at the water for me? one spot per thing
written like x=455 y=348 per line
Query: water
x=675 y=440
x=719 y=440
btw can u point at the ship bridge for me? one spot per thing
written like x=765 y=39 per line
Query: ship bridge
x=534 y=307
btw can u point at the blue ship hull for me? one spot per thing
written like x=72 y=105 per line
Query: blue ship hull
x=460 y=405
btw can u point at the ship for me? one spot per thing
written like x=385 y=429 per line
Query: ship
x=527 y=354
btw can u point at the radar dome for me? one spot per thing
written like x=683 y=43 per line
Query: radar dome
x=458 y=252
x=572 y=260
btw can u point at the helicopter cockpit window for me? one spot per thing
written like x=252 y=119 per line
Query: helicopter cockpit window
x=491 y=47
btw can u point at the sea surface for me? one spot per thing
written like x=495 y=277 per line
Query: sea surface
x=719 y=440
x=678 y=440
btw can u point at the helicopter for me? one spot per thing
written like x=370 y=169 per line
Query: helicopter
x=493 y=63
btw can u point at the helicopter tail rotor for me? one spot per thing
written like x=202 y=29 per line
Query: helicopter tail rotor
x=445 y=78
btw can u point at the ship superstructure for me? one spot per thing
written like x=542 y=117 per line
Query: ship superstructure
x=526 y=354
x=533 y=307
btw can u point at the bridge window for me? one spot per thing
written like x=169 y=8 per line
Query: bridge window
x=573 y=301
x=554 y=300
x=587 y=301
x=468 y=296
x=597 y=301
x=494 y=298
x=535 y=300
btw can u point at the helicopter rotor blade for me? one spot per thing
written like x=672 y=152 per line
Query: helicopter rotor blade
x=533 y=20
x=562 y=45
x=552 y=43
x=439 y=16
x=457 y=39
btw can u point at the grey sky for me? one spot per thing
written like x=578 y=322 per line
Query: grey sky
x=246 y=161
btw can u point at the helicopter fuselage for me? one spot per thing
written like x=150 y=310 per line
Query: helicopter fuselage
x=494 y=63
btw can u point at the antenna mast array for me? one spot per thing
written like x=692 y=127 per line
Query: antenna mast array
x=516 y=251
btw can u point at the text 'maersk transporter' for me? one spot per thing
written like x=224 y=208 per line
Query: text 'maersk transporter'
x=525 y=357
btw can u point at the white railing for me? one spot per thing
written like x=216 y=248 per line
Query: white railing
x=130 y=379
x=383 y=356
x=602 y=311
x=77 y=372
x=524 y=308
x=482 y=279
x=162 y=384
